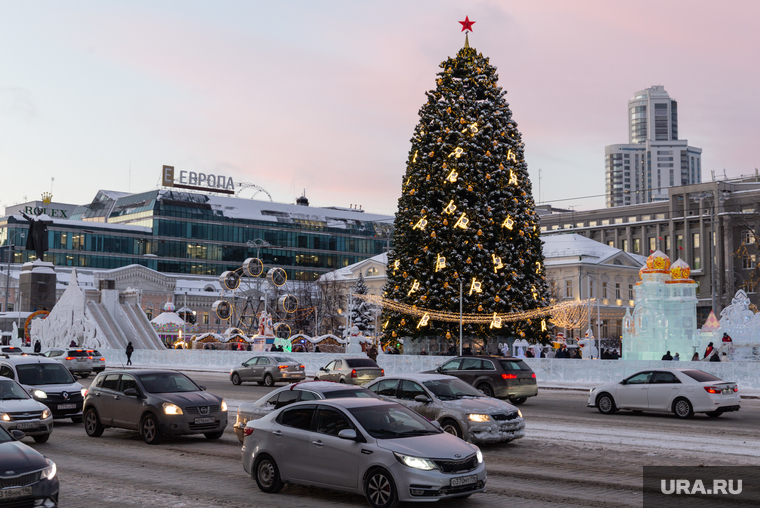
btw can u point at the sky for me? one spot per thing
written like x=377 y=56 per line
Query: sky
x=323 y=96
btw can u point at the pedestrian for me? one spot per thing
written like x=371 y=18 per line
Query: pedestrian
x=667 y=357
x=695 y=357
x=677 y=357
x=372 y=353
x=73 y=343
x=560 y=353
x=423 y=353
x=724 y=357
x=37 y=347
x=714 y=357
x=129 y=352
x=726 y=337
x=550 y=353
x=316 y=349
x=709 y=349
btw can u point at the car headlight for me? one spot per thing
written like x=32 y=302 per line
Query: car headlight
x=45 y=414
x=478 y=418
x=416 y=462
x=224 y=406
x=83 y=391
x=6 y=417
x=39 y=394
x=171 y=409
x=49 y=472
x=519 y=413
x=479 y=455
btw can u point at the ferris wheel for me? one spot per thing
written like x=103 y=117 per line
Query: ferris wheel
x=245 y=299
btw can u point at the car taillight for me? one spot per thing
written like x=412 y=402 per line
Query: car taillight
x=102 y=359
x=303 y=367
x=69 y=357
x=534 y=375
x=736 y=388
x=711 y=389
x=248 y=431
x=86 y=391
x=509 y=376
x=353 y=373
x=382 y=372
x=90 y=357
x=282 y=366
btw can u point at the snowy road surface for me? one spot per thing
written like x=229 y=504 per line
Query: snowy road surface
x=571 y=456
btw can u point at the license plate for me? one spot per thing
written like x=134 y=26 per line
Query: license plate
x=81 y=359
x=205 y=420
x=464 y=480
x=27 y=425
x=14 y=493
x=67 y=406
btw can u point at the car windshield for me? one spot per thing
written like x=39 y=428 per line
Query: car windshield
x=9 y=390
x=451 y=389
x=167 y=382
x=702 y=377
x=361 y=362
x=5 y=436
x=347 y=394
x=283 y=359
x=514 y=365
x=392 y=422
x=78 y=353
x=44 y=374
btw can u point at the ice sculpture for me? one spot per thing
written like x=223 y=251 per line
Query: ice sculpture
x=742 y=324
x=665 y=315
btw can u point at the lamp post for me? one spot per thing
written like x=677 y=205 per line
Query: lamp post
x=710 y=198
x=8 y=275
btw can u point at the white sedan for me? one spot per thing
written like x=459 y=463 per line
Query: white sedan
x=680 y=391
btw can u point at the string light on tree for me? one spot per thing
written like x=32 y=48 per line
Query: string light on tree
x=423 y=321
x=475 y=286
x=457 y=153
x=497 y=264
x=421 y=224
x=495 y=321
x=440 y=263
x=452 y=176
x=415 y=287
x=450 y=208
x=512 y=178
x=508 y=223
x=462 y=222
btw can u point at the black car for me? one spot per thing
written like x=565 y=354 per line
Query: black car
x=27 y=478
x=495 y=376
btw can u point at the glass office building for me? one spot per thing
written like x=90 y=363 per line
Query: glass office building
x=186 y=232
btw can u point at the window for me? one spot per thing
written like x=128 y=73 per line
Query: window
x=387 y=387
x=331 y=422
x=285 y=397
x=330 y=366
x=679 y=241
x=652 y=244
x=307 y=395
x=606 y=222
x=611 y=243
x=298 y=417
x=590 y=288
x=372 y=271
x=410 y=389
x=619 y=220
x=592 y=223
x=636 y=245
x=568 y=289
x=696 y=259
x=665 y=378
x=632 y=219
x=6 y=371
x=617 y=291
x=624 y=245
x=639 y=379
x=749 y=261
x=748 y=237
x=630 y=291
x=604 y=290
x=578 y=224
x=263 y=361
x=127 y=382
x=667 y=242
x=111 y=382
x=472 y=364
x=205 y=318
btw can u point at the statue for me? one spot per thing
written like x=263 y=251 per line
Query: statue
x=354 y=340
x=37 y=238
x=265 y=324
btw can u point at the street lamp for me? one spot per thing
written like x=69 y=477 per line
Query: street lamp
x=10 y=246
x=710 y=198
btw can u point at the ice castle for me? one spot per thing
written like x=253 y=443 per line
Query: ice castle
x=665 y=315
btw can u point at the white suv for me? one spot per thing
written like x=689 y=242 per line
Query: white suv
x=19 y=411
x=78 y=361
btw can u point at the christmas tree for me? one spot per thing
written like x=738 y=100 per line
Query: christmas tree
x=466 y=213
x=360 y=312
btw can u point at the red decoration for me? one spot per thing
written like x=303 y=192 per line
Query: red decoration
x=467 y=24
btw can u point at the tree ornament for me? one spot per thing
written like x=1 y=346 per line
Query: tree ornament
x=469 y=261
x=438 y=140
x=488 y=177
x=445 y=285
x=497 y=265
x=448 y=335
x=448 y=110
x=445 y=222
x=480 y=232
x=427 y=178
x=394 y=334
x=431 y=154
x=480 y=308
x=462 y=120
x=403 y=322
x=423 y=298
x=501 y=166
x=488 y=153
x=414 y=159
x=512 y=178
x=480 y=246
x=424 y=320
x=522 y=233
x=432 y=235
x=469 y=188
x=421 y=224
x=425 y=248
x=508 y=223
x=415 y=287
x=452 y=176
x=497 y=299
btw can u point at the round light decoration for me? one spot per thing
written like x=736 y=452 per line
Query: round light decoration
x=223 y=309
x=288 y=303
x=230 y=280
x=282 y=330
x=277 y=276
x=253 y=267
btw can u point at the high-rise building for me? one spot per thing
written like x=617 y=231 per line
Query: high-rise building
x=654 y=158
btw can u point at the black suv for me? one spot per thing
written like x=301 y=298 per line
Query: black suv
x=495 y=376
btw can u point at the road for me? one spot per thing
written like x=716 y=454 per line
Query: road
x=571 y=456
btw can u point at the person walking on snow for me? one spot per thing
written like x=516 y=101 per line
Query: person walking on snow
x=667 y=357
x=129 y=352
x=37 y=347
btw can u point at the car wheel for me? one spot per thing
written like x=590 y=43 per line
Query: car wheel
x=342 y=380
x=452 y=428
x=150 y=430
x=518 y=400
x=41 y=439
x=84 y=376
x=380 y=489
x=267 y=475
x=260 y=383
x=714 y=414
x=236 y=379
x=76 y=419
x=92 y=424
x=605 y=404
x=682 y=408
x=268 y=380
x=486 y=389
x=316 y=378
x=214 y=435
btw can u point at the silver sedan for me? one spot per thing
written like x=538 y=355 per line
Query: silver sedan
x=268 y=370
x=367 y=446
x=460 y=409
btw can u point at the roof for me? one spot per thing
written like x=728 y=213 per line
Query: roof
x=324 y=386
x=573 y=248
x=418 y=377
x=347 y=271
x=349 y=403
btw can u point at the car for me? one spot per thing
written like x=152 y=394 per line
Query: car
x=156 y=403
x=48 y=382
x=460 y=409
x=78 y=361
x=98 y=361
x=19 y=411
x=268 y=370
x=367 y=446
x=680 y=391
x=495 y=376
x=11 y=350
x=27 y=478
x=353 y=371
x=308 y=390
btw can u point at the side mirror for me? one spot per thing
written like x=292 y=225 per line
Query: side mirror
x=422 y=398
x=131 y=392
x=624 y=382
x=244 y=364
x=323 y=369
x=439 y=369
x=17 y=435
x=202 y=387
x=347 y=434
x=437 y=425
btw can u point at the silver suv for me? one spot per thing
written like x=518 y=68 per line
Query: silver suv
x=78 y=361
x=19 y=411
x=48 y=382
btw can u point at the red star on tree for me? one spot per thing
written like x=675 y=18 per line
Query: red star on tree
x=467 y=24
